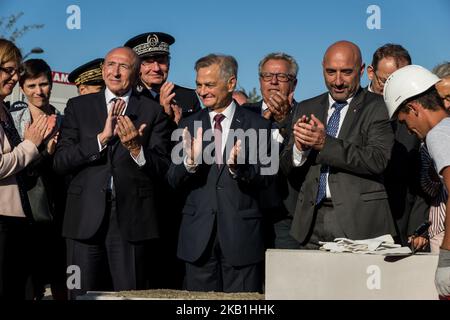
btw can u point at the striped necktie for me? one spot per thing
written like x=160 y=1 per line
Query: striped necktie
x=332 y=130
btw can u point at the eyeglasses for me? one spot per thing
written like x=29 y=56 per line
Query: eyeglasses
x=380 y=80
x=282 y=77
x=11 y=71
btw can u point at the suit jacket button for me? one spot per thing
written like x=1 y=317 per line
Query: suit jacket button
x=219 y=188
x=312 y=203
x=213 y=212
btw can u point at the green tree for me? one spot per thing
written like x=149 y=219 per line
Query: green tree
x=11 y=31
x=253 y=96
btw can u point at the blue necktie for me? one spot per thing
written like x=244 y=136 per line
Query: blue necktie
x=332 y=129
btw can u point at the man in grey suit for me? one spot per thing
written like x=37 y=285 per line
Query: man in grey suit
x=339 y=148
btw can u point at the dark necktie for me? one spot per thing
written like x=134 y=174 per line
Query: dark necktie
x=332 y=129
x=14 y=139
x=218 y=138
x=110 y=149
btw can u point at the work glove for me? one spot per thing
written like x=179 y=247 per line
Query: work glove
x=442 y=276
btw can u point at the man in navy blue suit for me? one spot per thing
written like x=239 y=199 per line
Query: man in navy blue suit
x=221 y=234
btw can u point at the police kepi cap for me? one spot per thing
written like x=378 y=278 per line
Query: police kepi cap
x=89 y=73
x=151 y=43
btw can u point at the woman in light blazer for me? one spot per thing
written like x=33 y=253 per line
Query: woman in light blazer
x=15 y=210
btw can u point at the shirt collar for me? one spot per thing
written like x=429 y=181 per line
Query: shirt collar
x=109 y=95
x=228 y=112
x=331 y=101
x=369 y=88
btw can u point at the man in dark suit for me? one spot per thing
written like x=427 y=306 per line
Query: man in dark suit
x=221 y=234
x=402 y=178
x=113 y=143
x=278 y=79
x=153 y=49
x=340 y=146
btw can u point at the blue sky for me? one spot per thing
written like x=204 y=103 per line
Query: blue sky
x=245 y=29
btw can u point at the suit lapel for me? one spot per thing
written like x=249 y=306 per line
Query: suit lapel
x=101 y=109
x=351 y=114
x=322 y=114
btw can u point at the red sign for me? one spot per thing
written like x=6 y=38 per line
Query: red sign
x=61 y=77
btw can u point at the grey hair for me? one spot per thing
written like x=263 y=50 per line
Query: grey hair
x=293 y=66
x=227 y=64
x=442 y=70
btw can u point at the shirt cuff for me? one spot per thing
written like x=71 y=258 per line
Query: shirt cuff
x=140 y=159
x=191 y=168
x=276 y=135
x=299 y=157
x=100 y=147
x=232 y=172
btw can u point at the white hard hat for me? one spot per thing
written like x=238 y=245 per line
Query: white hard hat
x=405 y=83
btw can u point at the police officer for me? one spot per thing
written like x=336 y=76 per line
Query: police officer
x=153 y=49
x=88 y=77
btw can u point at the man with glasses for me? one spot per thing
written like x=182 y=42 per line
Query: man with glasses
x=406 y=201
x=386 y=59
x=278 y=79
x=153 y=49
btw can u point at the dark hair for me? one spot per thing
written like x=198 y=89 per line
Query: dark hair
x=429 y=99
x=391 y=50
x=228 y=64
x=33 y=68
x=9 y=52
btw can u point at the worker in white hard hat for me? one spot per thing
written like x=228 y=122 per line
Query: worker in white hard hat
x=411 y=96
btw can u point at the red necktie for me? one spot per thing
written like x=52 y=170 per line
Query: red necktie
x=218 y=138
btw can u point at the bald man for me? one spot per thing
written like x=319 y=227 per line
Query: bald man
x=339 y=148
x=114 y=143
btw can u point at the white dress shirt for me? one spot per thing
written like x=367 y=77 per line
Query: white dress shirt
x=300 y=157
x=226 y=123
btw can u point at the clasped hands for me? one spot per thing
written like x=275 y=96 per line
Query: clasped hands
x=309 y=133
x=279 y=106
x=119 y=125
x=40 y=129
x=193 y=149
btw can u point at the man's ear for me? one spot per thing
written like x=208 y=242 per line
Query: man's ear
x=231 y=83
x=415 y=107
x=370 y=72
x=361 y=69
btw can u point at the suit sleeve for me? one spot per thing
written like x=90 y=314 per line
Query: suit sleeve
x=369 y=157
x=261 y=173
x=16 y=160
x=177 y=174
x=71 y=151
x=157 y=151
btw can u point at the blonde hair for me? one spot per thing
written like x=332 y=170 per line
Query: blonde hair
x=9 y=52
